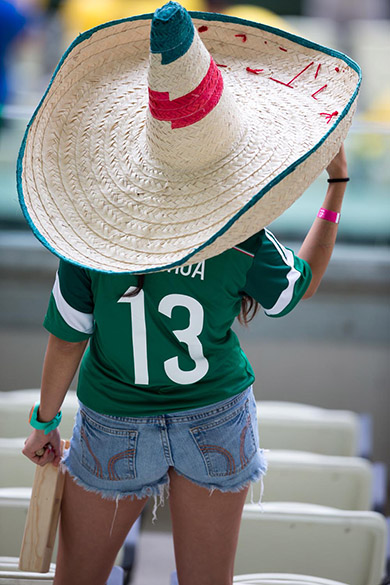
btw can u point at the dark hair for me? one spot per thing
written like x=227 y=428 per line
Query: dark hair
x=249 y=306
x=138 y=288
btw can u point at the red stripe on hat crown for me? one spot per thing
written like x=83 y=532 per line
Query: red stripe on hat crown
x=192 y=107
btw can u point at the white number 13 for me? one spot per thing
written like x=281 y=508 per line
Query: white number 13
x=189 y=336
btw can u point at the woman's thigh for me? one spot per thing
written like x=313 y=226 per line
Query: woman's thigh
x=205 y=531
x=92 y=530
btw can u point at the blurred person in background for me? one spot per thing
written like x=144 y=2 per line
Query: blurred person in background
x=52 y=27
x=12 y=22
x=348 y=9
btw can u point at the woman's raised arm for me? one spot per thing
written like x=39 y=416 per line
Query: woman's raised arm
x=318 y=245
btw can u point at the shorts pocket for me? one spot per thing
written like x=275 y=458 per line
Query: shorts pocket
x=227 y=443
x=106 y=452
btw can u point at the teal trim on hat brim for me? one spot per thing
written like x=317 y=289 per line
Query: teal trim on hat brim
x=207 y=17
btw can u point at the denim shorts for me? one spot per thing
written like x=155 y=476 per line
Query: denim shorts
x=215 y=446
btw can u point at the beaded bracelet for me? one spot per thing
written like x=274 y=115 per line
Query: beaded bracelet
x=345 y=180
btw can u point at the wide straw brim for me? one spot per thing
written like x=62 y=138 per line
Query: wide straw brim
x=95 y=196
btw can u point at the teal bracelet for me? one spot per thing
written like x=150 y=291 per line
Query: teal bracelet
x=44 y=426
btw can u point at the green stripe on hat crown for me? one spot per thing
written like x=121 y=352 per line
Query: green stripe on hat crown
x=171 y=33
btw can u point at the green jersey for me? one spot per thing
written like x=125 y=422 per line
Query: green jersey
x=171 y=347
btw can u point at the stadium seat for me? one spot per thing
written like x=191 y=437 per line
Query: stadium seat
x=15 y=407
x=281 y=579
x=14 y=503
x=343 y=545
x=10 y=574
x=274 y=579
x=301 y=427
x=299 y=476
x=17 y=470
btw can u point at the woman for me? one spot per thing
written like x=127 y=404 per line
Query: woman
x=165 y=391
x=205 y=527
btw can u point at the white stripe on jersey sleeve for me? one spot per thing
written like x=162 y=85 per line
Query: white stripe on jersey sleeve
x=292 y=276
x=79 y=321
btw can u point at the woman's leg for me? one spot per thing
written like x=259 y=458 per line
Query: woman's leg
x=205 y=531
x=91 y=534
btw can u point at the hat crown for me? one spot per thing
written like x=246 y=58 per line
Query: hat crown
x=192 y=116
x=171 y=32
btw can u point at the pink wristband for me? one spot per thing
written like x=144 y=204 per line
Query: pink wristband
x=332 y=216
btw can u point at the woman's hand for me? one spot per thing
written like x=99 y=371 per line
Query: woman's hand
x=338 y=168
x=43 y=449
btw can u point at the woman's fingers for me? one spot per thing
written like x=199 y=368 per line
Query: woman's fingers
x=43 y=449
x=43 y=458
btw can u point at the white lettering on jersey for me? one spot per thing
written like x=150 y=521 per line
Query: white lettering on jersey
x=191 y=270
x=175 y=269
x=186 y=270
x=199 y=270
x=138 y=326
x=189 y=336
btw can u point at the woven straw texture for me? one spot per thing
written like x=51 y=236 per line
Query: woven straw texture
x=107 y=186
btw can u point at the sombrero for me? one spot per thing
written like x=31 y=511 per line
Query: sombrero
x=166 y=139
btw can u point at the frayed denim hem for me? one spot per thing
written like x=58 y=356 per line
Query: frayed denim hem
x=156 y=489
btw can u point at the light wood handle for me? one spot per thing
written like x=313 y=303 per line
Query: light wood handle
x=42 y=518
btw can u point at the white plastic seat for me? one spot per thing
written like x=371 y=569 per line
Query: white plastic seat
x=10 y=574
x=281 y=579
x=343 y=545
x=301 y=427
x=15 y=407
x=24 y=578
x=14 y=503
x=16 y=469
x=298 y=476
